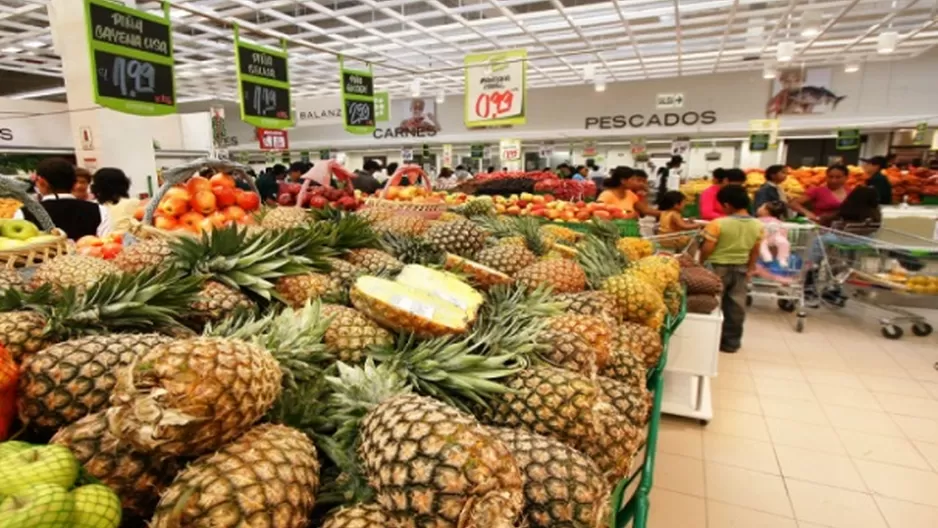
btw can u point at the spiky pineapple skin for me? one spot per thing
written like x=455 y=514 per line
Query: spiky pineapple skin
x=631 y=400
x=267 y=477
x=639 y=301
x=673 y=296
x=635 y=248
x=403 y=225
x=358 y=516
x=296 y=290
x=22 y=333
x=192 y=396
x=581 y=344
x=79 y=271
x=281 y=218
x=563 y=488
x=69 y=380
x=137 y=478
x=144 y=254
x=659 y=271
x=624 y=366
x=460 y=237
x=351 y=333
x=431 y=465
x=643 y=342
x=374 y=260
x=10 y=279
x=592 y=302
x=216 y=301
x=506 y=258
x=563 y=276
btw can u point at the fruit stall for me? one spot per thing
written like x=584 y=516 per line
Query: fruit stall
x=420 y=359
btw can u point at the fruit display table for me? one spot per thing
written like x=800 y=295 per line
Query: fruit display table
x=693 y=355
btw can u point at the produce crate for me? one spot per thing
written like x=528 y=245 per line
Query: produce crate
x=691 y=210
x=627 y=228
x=630 y=498
x=929 y=200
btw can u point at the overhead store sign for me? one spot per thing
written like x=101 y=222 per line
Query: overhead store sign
x=328 y=110
x=264 y=85
x=510 y=149
x=495 y=88
x=759 y=141
x=358 y=99
x=673 y=100
x=763 y=127
x=848 y=139
x=669 y=119
x=269 y=139
x=131 y=59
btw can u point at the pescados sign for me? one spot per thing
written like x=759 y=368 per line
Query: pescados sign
x=668 y=119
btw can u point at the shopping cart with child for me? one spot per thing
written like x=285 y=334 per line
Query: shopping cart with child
x=783 y=279
x=887 y=270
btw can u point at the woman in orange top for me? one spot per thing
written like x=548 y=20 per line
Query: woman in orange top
x=622 y=190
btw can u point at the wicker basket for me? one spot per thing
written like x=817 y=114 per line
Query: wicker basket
x=35 y=253
x=181 y=174
x=430 y=211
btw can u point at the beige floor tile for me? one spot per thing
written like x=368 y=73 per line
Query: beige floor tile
x=908 y=405
x=838 y=508
x=733 y=363
x=879 y=448
x=821 y=359
x=749 y=489
x=836 y=378
x=679 y=473
x=676 y=510
x=722 y=515
x=797 y=410
x=776 y=370
x=788 y=389
x=820 y=468
x=738 y=381
x=736 y=401
x=890 y=385
x=917 y=428
x=821 y=438
x=736 y=423
x=860 y=398
x=861 y=420
x=931 y=387
x=680 y=437
x=803 y=524
x=929 y=451
x=903 y=514
x=740 y=452
x=901 y=483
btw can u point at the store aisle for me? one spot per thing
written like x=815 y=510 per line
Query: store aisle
x=833 y=428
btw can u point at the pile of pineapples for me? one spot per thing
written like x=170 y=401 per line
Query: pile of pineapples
x=348 y=370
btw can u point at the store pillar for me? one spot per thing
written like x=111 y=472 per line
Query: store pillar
x=102 y=137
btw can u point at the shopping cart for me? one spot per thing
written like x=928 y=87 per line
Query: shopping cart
x=786 y=283
x=677 y=243
x=884 y=269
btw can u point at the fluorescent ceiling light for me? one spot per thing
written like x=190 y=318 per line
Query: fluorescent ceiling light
x=45 y=92
x=852 y=67
x=34 y=44
x=600 y=83
x=441 y=96
x=11 y=49
x=415 y=87
x=785 y=50
x=589 y=71
x=768 y=72
x=810 y=23
x=886 y=42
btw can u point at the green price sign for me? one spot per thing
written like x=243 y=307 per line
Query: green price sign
x=132 y=66
x=759 y=142
x=285 y=158
x=325 y=154
x=848 y=139
x=264 y=85
x=921 y=130
x=304 y=156
x=358 y=99
x=477 y=151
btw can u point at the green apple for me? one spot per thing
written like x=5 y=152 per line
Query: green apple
x=13 y=446
x=96 y=506
x=19 y=229
x=51 y=464
x=40 y=506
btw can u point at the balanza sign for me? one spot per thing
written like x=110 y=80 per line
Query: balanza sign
x=669 y=119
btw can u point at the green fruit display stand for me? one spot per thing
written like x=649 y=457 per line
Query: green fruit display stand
x=35 y=250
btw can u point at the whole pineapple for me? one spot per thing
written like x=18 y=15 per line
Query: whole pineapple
x=592 y=302
x=10 y=278
x=192 y=396
x=143 y=254
x=373 y=260
x=282 y=218
x=571 y=408
x=580 y=344
x=631 y=400
x=673 y=296
x=624 y=366
x=267 y=477
x=137 y=478
x=643 y=342
x=658 y=270
x=402 y=225
x=23 y=333
x=560 y=233
x=563 y=276
x=350 y=333
x=635 y=248
x=411 y=249
x=64 y=382
x=506 y=258
x=297 y=290
x=342 y=275
x=79 y=271
x=358 y=516
x=639 y=301
x=461 y=237
x=216 y=300
x=562 y=487
x=477 y=206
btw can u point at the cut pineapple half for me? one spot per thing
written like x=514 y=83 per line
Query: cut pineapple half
x=407 y=309
x=484 y=276
x=442 y=284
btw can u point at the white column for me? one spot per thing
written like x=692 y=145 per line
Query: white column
x=117 y=140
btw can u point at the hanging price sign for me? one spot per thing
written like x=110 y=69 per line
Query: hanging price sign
x=495 y=88
x=264 y=83
x=131 y=59
x=358 y=99
x=269 y=139
x=510 y=149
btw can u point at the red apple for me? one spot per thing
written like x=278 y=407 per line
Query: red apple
x=249 y=201
x=178 y=192
x=198 y=183
x=234 y=213
x=167 y=223
x=204 y=202
x=318 y=202
x=89 y=241
x=192 y=221
x=174 y=207
x=225 y=196
x=286 y=199
x=604 y=215
x=109 y=251
x=222 y=180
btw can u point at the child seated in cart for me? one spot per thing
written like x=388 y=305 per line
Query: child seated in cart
x=671 y=205
x=776 y=262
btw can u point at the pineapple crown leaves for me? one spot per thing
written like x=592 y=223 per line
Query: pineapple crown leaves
x=412 y=249
x=600 y=260
x=353 y=232
x=452 y=370
x=346 y=483
x=529 y=229
x=16 y=299
x=356 y=391
x=605 y=230
x=513 y=317
x=126 y=301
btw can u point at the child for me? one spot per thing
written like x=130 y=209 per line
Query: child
x=772 y=215
x=731 y=247
x=671 y=204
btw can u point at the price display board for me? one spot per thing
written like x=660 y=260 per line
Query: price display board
x=358 y=99
x=477 y=151
x=495 y=88
x=848 y=139
x=510 y=149
x=131 y=59
x=272 y=139
x=264 y=85
x=759 y=141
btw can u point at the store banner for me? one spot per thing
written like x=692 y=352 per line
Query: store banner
x=407 y=154
x=545 y=151
x=765 y=126
x=759 y=141
x=263 y=85
x=448 y=156
x=132 y=65
x=848 y=139
x=358 y=99
x=510 y=150
x=680 y=147
x=921 y=130
x=495 y=87
x=323 y=111
x=270 y=139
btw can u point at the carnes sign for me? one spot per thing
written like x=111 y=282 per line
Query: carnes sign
x=663 y=119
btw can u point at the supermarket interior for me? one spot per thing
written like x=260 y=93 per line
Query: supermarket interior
x=468 y=263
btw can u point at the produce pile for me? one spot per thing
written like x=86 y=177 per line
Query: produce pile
x=552 y=208
x=203 y=204
x=323 y=368
x=702 y=285
x=507 y=183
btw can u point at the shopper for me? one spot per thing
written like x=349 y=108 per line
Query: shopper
x=389 y=170
x=581 y=173
x=82 y=182
x=364 y=179
x=446 y=180
x=824 y=199
x=55 y=179
x=710 y=208
x=731 y=248
x=111 y=188
x=668 y=177
x=268 y=183
x=773 y=215
x=462 y=174
x=771 y=190
x=873 y=167
x=625 y=189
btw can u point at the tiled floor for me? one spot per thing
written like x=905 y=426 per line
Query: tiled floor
x=836 y=427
